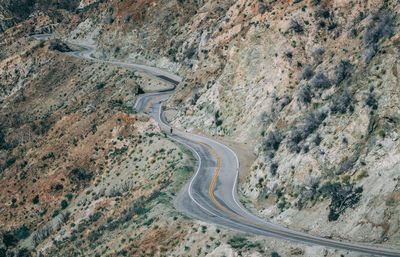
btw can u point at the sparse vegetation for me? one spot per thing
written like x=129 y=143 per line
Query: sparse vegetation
x=127 y=18
x=317 y=53
x=195 y=97
x=110 y=19
x=363 y=174
x=64 y=204
x=35 y=200
x=341 y=103
x=342 y=197
x=59 y=46
x=343 y=71
x=69 y=196
x=185 y=169
x=285 y=100
x=238 y=242
x=308 y=72
x=274 y=168
x=317 y=139
x=22 y=232
x=296 y=27
x=307 y=126
x=275 y=254
x=320 y=81
x=304 y=94
x=369 y=53
x=380 y=27
x=79 y=175
x=191 y=52
x=371 y=101
x=272 y=140
x=9 y=239
x=95 y=216
x=73 y=134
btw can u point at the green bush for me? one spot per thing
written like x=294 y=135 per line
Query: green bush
x=69 y=196
x=10 y=162
x=55 y=213
x=9 y=239
x=149 y=221
x=185 y=169
x=78 y=175
x=272 y=140
x=22 y=232
x=94 y=236
x=139 y=208
x=35 y=199
x=64 y=204
x=95 y=216
x=362 y=175
x=342 y=197
x=237 y=242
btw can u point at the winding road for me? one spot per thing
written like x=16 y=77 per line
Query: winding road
x=211 y=195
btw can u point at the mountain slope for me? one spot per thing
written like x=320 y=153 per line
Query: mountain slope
x=308 y=87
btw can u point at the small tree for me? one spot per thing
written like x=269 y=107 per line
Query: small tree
x=35 y=199
x=64 y=204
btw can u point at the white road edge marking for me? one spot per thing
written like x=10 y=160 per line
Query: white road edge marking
x=198 y=167
x=353 y=246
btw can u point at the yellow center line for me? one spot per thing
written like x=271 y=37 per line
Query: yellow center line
x=151 y=100
x=211 y=189
x=269 y=228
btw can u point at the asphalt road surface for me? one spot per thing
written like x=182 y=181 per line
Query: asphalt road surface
x=211 y=195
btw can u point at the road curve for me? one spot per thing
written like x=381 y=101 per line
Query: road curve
x=211 y=195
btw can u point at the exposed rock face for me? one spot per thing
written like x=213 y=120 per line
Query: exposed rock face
x=315 y=72
x=326 y=96
x=310 y=86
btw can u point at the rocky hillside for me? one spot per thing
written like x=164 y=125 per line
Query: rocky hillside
x=84 y=175
x=313 y=86
x=309 y=87
x=14 y=12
